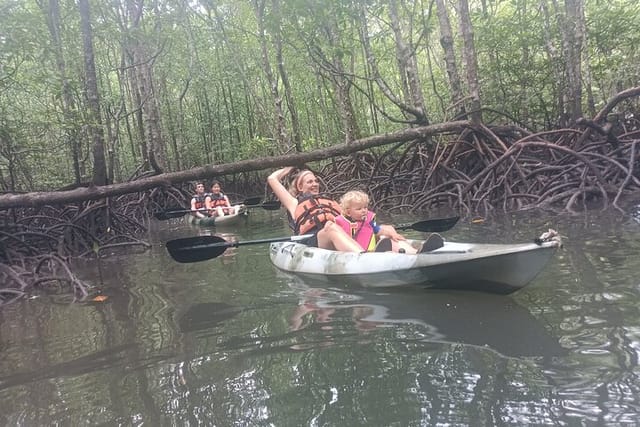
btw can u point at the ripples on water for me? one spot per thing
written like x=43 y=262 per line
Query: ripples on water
x=233 y=342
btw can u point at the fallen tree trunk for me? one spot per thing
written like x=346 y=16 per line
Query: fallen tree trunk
x=37 y=199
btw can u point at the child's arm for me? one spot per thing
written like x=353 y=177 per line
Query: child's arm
x=388 y=231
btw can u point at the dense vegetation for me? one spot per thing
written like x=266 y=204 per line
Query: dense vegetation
x=100 y=91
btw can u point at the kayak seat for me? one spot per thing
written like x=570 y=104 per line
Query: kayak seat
x=384 y=245
x=433 y=242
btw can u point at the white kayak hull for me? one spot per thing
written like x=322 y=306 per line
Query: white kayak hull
x=220 y=220
x=500 y=268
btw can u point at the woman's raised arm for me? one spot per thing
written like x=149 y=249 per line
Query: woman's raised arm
x=281 y=192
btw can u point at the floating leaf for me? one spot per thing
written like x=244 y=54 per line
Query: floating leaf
x=477 y=220
x=100 y=298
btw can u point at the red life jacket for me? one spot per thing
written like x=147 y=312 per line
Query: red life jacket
x=217 y=200
x=199 y=201
x=312 y=212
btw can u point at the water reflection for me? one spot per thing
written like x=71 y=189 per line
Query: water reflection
x=79 y=366
x=227 y=342
x=205 y=316
x=492 y=322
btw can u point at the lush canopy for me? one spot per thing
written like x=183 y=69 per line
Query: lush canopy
x=182 y=83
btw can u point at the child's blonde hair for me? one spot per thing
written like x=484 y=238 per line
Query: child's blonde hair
x=351 y=197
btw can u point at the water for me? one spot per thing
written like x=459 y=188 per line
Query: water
x=231 y=341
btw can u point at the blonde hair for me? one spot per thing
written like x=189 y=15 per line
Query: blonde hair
x=293 y=186
x=354 y=196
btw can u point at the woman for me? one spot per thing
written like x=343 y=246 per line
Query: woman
x=217 y=202
x=310 y=213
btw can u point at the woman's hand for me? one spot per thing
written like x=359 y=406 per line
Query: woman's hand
x=281 y=173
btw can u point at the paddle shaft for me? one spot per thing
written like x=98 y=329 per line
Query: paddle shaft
x=185 y=211
x=246 y=242
x=177 y=213
x=201 y=248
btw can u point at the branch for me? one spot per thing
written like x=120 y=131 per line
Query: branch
x=36 y=199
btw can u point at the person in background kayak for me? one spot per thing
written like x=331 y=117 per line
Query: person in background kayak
x=198 y=202
x=311 y=213
x=360 y=223
x=217 y=203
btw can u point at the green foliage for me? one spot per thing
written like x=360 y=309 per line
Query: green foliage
x=215 y=102
x=259 y=147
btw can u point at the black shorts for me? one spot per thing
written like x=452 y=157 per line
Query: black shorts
x=310 y=241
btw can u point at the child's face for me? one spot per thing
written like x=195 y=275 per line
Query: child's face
x=357 y=210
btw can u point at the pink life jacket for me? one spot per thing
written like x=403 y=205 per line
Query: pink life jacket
x=360 y=231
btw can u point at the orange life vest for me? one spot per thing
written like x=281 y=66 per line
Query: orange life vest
x=217 y=200
x=199 y=201
x=312 y=212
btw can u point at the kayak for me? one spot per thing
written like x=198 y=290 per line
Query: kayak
x=497 y=268
x=212 y=221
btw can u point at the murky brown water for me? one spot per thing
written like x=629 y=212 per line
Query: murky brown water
x=233 y=342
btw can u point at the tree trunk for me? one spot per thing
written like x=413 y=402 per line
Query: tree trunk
x=280 y=122
x=142 y=63
x=407 y=66
x=470 y=60
x=554 y=59
x=288 y=92
x=407 y=109
x=573 y=39
x=446 y=40
x=523 y=36
x=69 y=111
x=8 y=201
x=9 y=153
x=370 y=68
x=342 y=84
x=586 y=65
x=93 y=99
x=150 y=110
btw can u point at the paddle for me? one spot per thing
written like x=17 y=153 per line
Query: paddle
x=430 y=225
x=251 y=201
x=177 y=213
x=200 y=248
x=172 y=213
x=272 y=205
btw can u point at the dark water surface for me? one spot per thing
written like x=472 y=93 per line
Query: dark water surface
x=233 y=342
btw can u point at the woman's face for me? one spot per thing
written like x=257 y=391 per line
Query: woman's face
x=215 y=188
x=308 y=183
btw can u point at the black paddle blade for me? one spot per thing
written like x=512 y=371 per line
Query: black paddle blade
x=431 y=225
x=169 y=214
x=272 y=206
x=194 y=249
x=251 y=201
